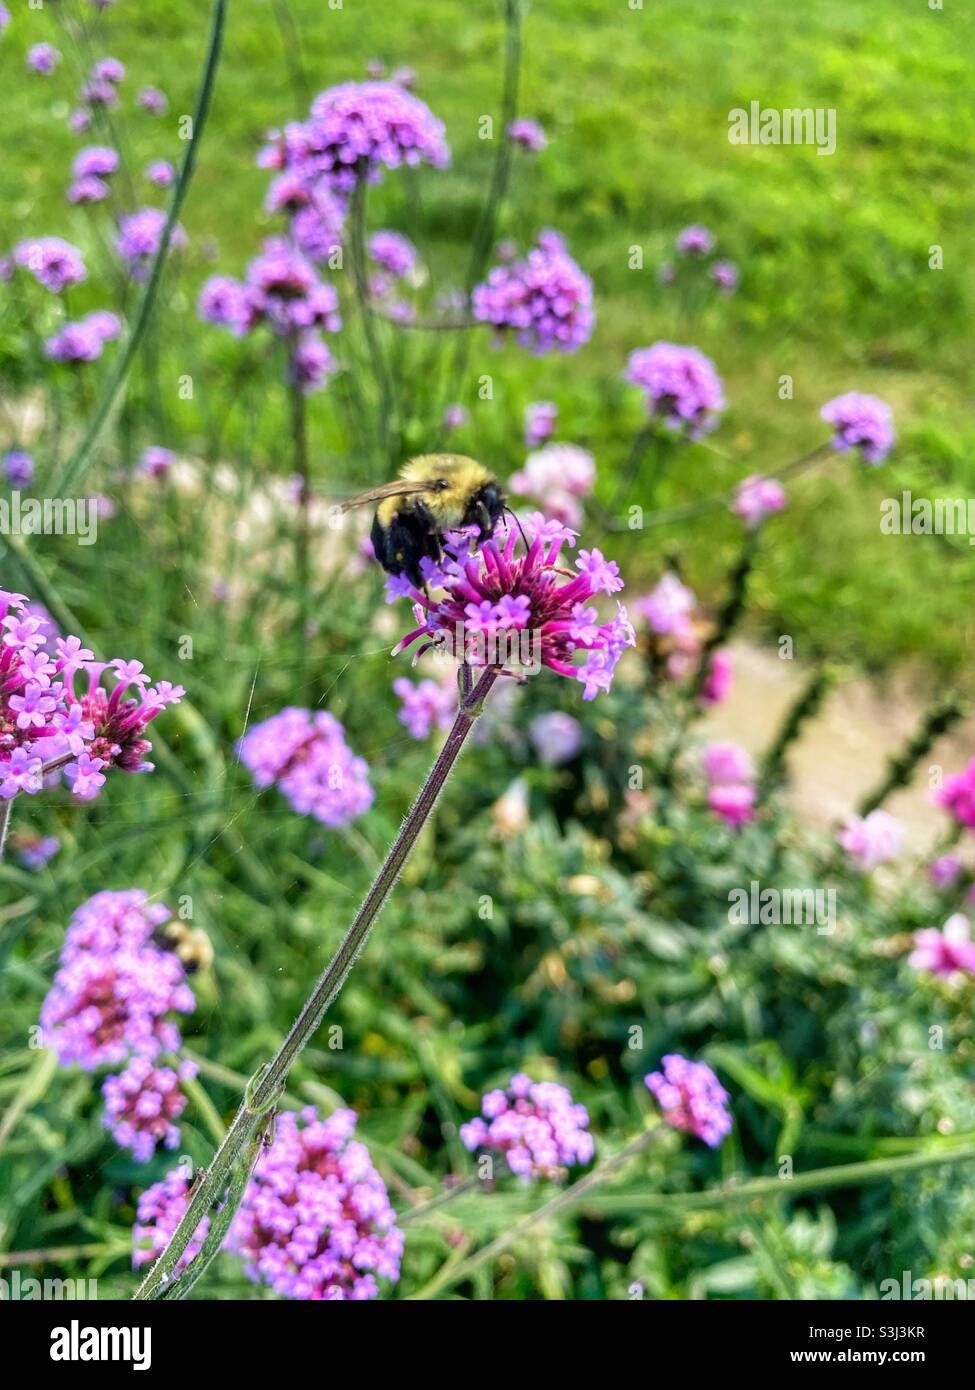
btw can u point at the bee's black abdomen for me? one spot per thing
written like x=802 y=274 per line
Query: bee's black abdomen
x=411 y=535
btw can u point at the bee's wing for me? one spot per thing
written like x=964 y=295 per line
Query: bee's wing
x=397 y=488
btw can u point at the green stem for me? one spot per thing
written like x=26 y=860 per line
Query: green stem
x=942 y=715
x=569 y=1197
x=76 y=467
x=267 y=1084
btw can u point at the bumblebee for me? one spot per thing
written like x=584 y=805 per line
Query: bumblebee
x=433 y=494
x=190 y=944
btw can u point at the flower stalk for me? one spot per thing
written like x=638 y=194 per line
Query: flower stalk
x=940 y=717
x=227 y=1170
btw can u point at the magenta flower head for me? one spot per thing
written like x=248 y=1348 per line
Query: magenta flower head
x=43 y=58
x=668 y=607
x=497 y=608
x=97 y=161
x=719 y=679
x=695 y=240
x=224 y=301
x=161 y=172
x=945 y=871
x=757 y=498
x=681 y=387
x=107 y=70
x=692 y=1098
x=540 y=419
x=556 y=737
x=154 y=101
x=313 y=364
x=142 y=1105
x=316 y=1222
x=734 y=803
x=528 y=134
x=160 y=1210
x=355 y=131
x=54 y=263
x=725 y=276
x=83 y=341
x=117 y=720
x=872 y=840
x=139 y=237
x=724 y=763
x=4 y=17
x=949 y=953
x=427 y=706
x=544 y=299
x=155 y=461
x=111 y=922
x=958 y=796
x=536 y=1126
x=306 y=757
x=393 y=252
x=861 y=422
x=88 y=190
x=18 y=468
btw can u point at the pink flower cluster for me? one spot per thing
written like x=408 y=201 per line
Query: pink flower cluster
x=536 y=1126
x=681 y=387
x=949 y=953
x=115 y=987
x=872 y=840
x=544 y=299
x=958 y=796
x=557 y=476
x=668 y=611
x=306 y=756
x=142 y=1105
x=139 y=237
x=426 y=706
x=757 y=498
x=316 y=1222
x=540 y=418
x=731 y=791
x=692 y=1098
x=528 y=134
x=499 y=607
x=45 y=724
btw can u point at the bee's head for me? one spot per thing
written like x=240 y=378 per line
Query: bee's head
x=485 y=508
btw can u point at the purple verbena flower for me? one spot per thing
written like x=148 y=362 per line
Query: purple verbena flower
x=393 y=252
x=757 y=498
x=958 y=796
x=536 y=1125
x=18 y=468
x=949 y=953
x=427 y=706
x=142 y=1105
x=154 y=101
x=34 y=851
x=861 y=422
x=97 y=161
x=681 y=386
x=85 y=340
x=88 y=190
x=528 y=134
x=316 y=1221
x=540 y=418
x=43 y=58
x=492 y=596
x=872 y=840
x=161 y=172
x=54 y=263
x=544 y=299
x=305 y=755
x=692 y=1098
x=556 y=737
x=139 y=237
x=695 y=240
x=725 y=276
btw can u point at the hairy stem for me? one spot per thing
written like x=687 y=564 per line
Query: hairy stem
x=267 y=1084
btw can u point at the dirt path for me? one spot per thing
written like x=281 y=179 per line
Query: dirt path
x=843 y=752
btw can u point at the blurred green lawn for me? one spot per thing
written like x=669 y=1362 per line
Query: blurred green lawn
x=833 y=251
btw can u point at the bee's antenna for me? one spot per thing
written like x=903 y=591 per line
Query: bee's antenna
x=519 y=525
